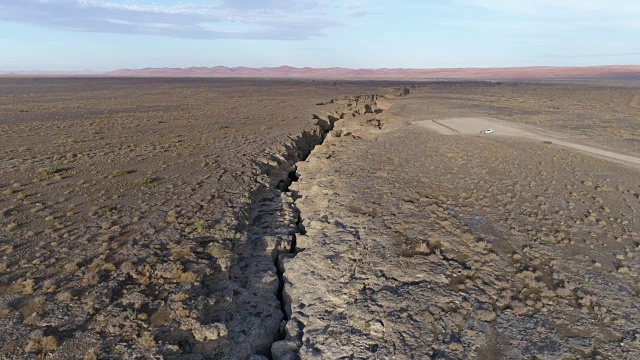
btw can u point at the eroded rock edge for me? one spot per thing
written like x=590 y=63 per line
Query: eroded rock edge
x=289 y=337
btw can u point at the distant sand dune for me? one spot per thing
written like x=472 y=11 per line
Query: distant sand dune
x=605 y=72
x=619 y=72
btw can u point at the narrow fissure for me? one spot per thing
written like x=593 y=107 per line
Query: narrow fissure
x=284 y=186
x=292 y=177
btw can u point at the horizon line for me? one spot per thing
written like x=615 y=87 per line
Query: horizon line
x=313 y=68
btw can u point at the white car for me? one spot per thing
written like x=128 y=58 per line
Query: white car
x=488 y=131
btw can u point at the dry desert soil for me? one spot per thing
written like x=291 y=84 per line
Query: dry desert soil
x=298 y=219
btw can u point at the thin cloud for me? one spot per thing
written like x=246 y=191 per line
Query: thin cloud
x=363 y=13
x=249 y=19
x=577 y=8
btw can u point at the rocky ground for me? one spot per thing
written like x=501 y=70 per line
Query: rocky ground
x=421 y=245
x=167 y=218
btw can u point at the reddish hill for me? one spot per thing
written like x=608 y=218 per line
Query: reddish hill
x=631 y=72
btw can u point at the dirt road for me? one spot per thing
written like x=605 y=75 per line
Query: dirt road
x=475 y=125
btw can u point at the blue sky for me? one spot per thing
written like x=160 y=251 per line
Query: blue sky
x=112 y=34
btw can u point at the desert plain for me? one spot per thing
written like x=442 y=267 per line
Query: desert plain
x=297 y=219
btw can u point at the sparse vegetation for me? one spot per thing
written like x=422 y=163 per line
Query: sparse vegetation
x=145 y=181
x=4 y=311
x=218 y=251
x=48 y=171
x=117 y=173
x=201 y=225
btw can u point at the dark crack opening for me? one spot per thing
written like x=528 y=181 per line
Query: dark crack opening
x=305 y=146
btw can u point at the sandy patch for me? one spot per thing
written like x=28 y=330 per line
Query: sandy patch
x=477 y=125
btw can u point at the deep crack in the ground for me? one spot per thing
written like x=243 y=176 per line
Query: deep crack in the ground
x=275 y=222
x=256 y=287
x=289 y=336
x=299 y=228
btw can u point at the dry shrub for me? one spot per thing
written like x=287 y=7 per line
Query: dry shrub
x=91 y=278
x=201 y=225
x=180 y=253
x=49 y=285
x=92 y=354
x=145 y=181
x=70 y=268
x=49 y=343
x=179 y=297
x=33 y=320
x=161 y=317
x=38 y=343
x=119 y=173
x=486 y=315
x=4 y=312
x=99 y=265
x=47 y=171
x=422 y=248
x=19 y=287
x=147 y=341
x=218 y=251
x=188 y=277
x=127 y=267
x=172 y=216
x=7 y=249
x=31 y=307
x=64 y=296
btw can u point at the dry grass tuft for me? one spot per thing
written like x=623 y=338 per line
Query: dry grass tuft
x=145 y=181
x=147 y=341
x=188 y=277
x=179 y=297
x=24 y=286
x=32 y=307
x=70 y=268
x=181 y=253
x=48 y=171
x=4 y=312
x=38 y=343
x=92 y=354
x=64 y=296
x=201 y=225
x=161 y=317
x=218 y=251
x=117 y=173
